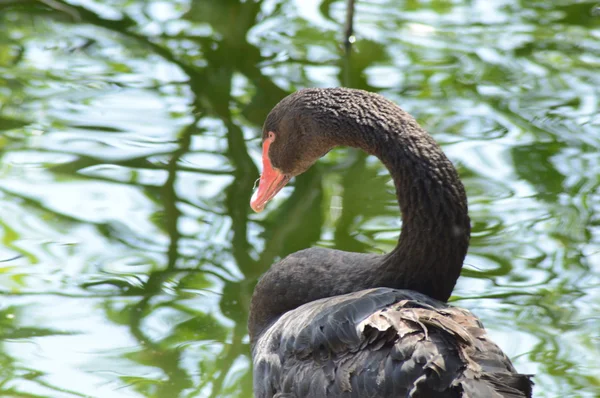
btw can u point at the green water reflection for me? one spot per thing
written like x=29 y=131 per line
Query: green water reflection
x=129 y=151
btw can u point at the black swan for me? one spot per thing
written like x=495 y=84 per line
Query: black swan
x=328 y=323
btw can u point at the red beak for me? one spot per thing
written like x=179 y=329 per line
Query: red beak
x=271 y=181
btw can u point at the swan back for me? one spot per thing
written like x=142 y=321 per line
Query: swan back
x=382 y=343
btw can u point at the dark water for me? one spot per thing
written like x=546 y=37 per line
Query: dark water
x=129 y=153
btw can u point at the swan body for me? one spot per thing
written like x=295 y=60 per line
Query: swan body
x=382 y=343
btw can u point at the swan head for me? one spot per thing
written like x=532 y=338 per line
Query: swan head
x=293 y=140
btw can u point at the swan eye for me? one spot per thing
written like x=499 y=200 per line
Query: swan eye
x=271 y=135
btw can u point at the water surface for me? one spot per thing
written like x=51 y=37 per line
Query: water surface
x=130 y=147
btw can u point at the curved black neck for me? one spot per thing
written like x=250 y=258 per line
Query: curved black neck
x=435 y=222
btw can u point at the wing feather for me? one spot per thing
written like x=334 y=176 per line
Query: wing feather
x=382 y=343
